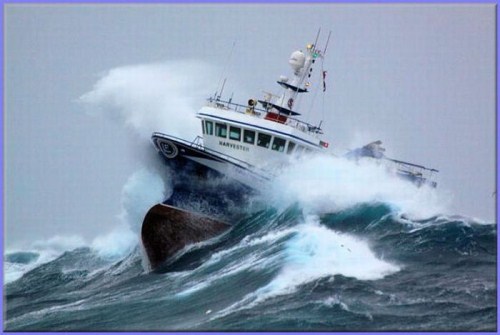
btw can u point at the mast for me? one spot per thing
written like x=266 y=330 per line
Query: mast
x=302 y=66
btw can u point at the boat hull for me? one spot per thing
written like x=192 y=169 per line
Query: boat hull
x=216 y=177
x=205 y=199
x=167 y=230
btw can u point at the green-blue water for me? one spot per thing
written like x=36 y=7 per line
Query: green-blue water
x=364 y=268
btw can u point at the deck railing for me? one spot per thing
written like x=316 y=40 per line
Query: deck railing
x=258 y=112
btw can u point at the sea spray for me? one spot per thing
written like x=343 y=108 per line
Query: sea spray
x=317 y=251
x=145 y=98
x=116 y=244
x=153 y=97
x=324 y=184
x=142 y=190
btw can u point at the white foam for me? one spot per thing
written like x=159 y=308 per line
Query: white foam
x=47 y=250
x=317 y=252
x=327 y=183
x=235 y=264
x=146 y=98
x=335 y=301
x=250 y=241
x=153 y=97
x=115 y=245
x=58 y=244
x=142 y=190
x=13 y=271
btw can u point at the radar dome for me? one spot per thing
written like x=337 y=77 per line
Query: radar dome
x=297 y=60
x=283 y=79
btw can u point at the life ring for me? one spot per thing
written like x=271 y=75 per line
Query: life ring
x=169 y=149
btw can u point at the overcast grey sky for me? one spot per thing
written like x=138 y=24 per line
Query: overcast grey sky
x=421 y=78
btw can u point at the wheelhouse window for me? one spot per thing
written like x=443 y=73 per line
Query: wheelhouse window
x=249 y=136
x=263 y=140
x=209 y=127
x=235 y=133
x=221 y=130
x=289 y=150
x=278 y=144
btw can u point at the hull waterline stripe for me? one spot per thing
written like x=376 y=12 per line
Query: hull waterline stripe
x=259 y=127
x=203 y=153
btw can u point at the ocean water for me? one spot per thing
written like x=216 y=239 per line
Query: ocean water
x=329 y=246
x=363 y=267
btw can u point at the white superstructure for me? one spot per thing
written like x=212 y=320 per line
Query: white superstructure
x=252 y=141
x=264 y=137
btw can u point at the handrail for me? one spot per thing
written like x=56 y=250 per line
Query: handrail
x=308 y=128
x=411 y=164
x=197 y=142
x=226 y=104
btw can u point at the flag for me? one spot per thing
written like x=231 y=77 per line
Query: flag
x=324 y=81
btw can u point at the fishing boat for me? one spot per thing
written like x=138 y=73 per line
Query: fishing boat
x=242 y=148
x=247 y=142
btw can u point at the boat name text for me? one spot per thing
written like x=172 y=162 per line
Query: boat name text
x=233 y=146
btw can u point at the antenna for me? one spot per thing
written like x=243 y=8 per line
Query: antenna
x=222 y=88
x=317 y=37
x=225 y=68
x=327 y=40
